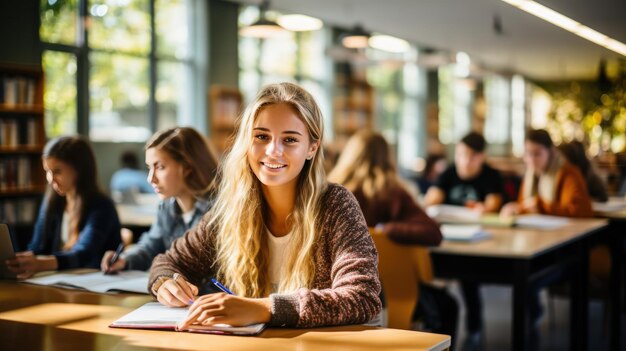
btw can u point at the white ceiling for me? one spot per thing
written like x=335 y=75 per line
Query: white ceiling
x=527 y=45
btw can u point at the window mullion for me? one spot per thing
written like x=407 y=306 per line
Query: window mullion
x=82 y=73
x=152 y=103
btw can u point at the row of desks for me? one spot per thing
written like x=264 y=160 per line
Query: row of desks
x=47 y=318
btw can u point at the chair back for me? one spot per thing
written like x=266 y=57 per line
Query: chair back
x=401 y=269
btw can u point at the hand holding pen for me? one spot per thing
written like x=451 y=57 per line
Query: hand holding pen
x=227 y=308
x=177 y=292
x=111 y=261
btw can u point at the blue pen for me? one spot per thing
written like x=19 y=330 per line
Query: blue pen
x=221 y=287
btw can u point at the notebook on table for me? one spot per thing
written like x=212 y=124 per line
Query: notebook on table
x=461 y=232
x=154 y=315
x=124 y=281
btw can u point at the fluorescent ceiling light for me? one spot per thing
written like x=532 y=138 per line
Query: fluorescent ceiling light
x=299 y=23
x=389 y=43
x=549 y=15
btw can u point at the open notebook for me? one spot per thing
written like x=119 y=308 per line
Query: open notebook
x=463 y=215
x=154 y=315
x=124 y=281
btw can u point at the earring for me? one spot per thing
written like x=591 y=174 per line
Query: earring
x=309 y=158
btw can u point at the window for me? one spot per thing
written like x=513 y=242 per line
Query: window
x=297 y=57
x=120 y=72
x=400 y=87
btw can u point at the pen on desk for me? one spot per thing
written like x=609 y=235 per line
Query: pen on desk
x=221 y=287
x=116 y=255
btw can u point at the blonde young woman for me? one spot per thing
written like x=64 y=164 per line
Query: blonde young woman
x=182 y=173
x=293 y=249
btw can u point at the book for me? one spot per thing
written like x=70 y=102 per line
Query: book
x=124 y=281
x=463 y=232
x=154 y=315
x=463 y=215
x=540 y=221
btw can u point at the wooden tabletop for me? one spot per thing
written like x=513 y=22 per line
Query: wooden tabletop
x=517 y=242
x=41 y=317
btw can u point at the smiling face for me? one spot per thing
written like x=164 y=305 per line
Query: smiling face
x=281 y=145
x=165 y=174
x=60 y=175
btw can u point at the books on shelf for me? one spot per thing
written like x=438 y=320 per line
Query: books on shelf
x=124 y=281
x=17 y=91
x=464 y=232
x=14 y=132
x=15 y=173
x=18 y=211
x=154 y=315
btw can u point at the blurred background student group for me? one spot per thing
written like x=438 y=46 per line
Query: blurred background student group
x=415 y=122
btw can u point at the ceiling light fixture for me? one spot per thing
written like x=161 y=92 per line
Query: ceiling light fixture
x=356 y=38
x=263 y=28
x=299 y=23
x=549 y=15
x=389 y=43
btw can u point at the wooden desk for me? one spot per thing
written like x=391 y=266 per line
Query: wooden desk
x=519 y=257
x=40 y=317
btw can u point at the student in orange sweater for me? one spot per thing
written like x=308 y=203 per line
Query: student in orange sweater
x=551 y=185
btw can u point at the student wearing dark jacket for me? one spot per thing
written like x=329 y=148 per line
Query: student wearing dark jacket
x=77 y=223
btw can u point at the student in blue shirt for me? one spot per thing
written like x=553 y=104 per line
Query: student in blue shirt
x=182 y=173
x=77 y=223
x=129 y=179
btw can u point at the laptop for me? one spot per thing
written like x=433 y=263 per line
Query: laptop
x=6 y=252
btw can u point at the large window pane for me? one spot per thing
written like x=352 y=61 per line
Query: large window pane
x=312 y=53
x=171 y=28
x=119 y=94
x=58 y=21
x=122 y=25
x=172 y=95
x=60 y=92
x=278 y=55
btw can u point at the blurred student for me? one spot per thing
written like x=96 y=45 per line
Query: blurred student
x=295 y=250
x=469 y=182
x=129 y=179
x=182 y=172
x=575 y=153
x=435 y=165
x=366 y=168
x=551 y=185
x=77 y=223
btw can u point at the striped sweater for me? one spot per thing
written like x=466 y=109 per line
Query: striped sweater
x=345 y=286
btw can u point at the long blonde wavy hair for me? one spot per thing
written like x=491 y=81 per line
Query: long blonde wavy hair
x=366 y=164
x=239 y=214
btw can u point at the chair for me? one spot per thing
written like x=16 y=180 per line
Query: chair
x=401 y=269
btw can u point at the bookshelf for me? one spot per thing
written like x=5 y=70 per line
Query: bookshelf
x=22 y=137
x=225 y=105
x=353 y=109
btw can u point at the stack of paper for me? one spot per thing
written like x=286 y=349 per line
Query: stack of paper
x=539 y=221
x=460 y=232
